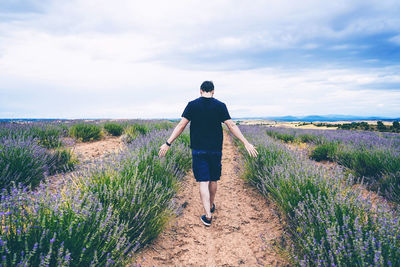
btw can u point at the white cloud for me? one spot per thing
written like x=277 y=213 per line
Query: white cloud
x=395 y=39
x=259 y=92
x=97 y=58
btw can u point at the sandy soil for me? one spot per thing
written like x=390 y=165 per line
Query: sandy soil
x=94 y=150
x=242 y=233
x=86 y=153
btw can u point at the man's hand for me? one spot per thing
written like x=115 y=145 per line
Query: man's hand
x=163 y=150
x=251 y=149
x=236 y=132
x=176 y=132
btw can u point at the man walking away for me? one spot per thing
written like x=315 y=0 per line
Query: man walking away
x=206 y=115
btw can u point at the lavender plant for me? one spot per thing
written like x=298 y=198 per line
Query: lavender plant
x=367 y=139
x=140 y=185
x=372 y=155
x=328 y=223
x=22 y=160
x=100 y=215
x=61 y=160
x=64 y=228
x=47 y=134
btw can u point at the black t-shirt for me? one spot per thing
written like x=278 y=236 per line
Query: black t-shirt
x=205 y=116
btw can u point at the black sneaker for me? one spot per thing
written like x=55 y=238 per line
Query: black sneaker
x=213 y=208
x=206 y=222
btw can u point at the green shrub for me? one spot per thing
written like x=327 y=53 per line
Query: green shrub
x=381 y=127
x=114 y=129
x=85 y=132
x=324 y=151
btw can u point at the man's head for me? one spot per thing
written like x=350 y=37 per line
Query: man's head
x=207 y=86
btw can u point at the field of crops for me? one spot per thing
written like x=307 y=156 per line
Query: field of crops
x=102 y=213
x=372 y=156
x=328 y=222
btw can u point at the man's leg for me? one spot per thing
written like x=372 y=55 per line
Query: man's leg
x=212 y=187
x=205 y=197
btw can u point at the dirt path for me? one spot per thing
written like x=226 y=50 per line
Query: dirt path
x=95 y=150
x=242 y=220
x=86 y=153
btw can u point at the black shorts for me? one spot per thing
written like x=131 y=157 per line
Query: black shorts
x=206 y=165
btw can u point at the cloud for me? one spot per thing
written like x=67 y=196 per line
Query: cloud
x=395 y=39
x=85 y=58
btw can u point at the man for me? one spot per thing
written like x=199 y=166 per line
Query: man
x=206 y=115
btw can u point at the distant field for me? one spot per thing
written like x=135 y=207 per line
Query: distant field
x=302 y=124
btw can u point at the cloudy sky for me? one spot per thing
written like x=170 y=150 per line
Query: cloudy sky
x=147 y=59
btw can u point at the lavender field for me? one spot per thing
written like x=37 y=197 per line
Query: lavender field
x=328 y=222
x=371 y=156
x=99 y=214
x=56 y=210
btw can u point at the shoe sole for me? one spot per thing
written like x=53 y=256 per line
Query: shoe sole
x=205 y=223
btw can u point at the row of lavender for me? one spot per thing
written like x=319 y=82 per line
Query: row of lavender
x=373 y=156
x=328 y=223
x=30 y=151
x=101 y=214
x=357 y=138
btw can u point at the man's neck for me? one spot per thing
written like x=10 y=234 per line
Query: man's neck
x=207 y=95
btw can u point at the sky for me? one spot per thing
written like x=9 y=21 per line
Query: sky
x=147 y=59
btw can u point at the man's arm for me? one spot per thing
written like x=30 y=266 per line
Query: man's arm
x=236 y=132
x=177 y=132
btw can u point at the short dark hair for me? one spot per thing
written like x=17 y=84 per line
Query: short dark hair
x=207 y=86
